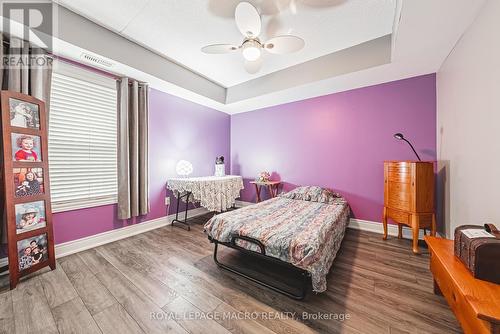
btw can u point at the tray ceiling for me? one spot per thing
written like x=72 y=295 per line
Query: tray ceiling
x=178 y=29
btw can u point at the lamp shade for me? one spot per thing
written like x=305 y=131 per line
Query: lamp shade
x=399 y=136
x=184 y=168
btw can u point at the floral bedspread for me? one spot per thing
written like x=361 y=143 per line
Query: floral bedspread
x=304 y=233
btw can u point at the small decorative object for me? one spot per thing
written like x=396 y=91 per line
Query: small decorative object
x=478 y=247
x=400 y=136
x=184 y=168
x=263 y=177
x=220 y=168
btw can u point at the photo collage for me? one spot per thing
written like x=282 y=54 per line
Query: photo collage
x=28 y=183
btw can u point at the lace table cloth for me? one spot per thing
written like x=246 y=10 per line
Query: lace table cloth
x=214 y=193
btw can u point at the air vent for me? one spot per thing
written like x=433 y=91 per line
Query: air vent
x=96 y=60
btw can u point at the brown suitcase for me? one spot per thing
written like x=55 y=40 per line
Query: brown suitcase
x=480 y=255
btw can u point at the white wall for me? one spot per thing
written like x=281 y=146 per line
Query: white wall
x=468 y=85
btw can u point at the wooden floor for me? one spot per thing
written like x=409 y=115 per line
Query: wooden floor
x=166 y=280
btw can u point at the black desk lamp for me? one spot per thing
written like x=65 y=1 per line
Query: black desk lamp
x=401 y=137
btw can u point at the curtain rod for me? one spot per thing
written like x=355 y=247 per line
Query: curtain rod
x=85 y=66
x=103 y=72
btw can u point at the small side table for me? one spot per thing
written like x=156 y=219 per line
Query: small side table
x=271 y=185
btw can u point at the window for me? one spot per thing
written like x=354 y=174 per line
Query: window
x=82 y=139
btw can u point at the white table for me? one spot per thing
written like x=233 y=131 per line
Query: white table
x=212 y=192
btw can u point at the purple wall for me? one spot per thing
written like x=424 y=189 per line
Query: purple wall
x=339 y=140
x=178 y=129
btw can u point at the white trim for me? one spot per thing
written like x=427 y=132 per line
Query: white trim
x=75 y=246
x=377 y=227
x=70 y=205
x=79 y=245
x=366 y=225
x=240 y=204
x=76 y=72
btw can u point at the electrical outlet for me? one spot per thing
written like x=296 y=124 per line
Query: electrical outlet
x=167 y=200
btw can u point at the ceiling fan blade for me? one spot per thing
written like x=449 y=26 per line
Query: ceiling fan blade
x=247 y=19
x=219 y=48
x=284 y=44
x=253 y=67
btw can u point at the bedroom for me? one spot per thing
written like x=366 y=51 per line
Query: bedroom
x=325 y=149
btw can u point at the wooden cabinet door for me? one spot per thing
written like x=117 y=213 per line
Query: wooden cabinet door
x=398 y=185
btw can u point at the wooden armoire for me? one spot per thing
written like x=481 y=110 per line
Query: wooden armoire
x=409 y=197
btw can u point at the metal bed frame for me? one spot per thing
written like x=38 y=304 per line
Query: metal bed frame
x=262 y=255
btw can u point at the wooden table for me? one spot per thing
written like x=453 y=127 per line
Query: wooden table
x=476 y=303
x=271 y=185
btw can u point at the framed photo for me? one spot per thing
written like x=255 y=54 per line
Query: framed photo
x=24 y=114
x=25 y=147
x=32 y=251
x=25 y=196
x=28 y=181
x=30 y=216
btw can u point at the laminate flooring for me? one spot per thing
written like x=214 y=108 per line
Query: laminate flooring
x=165 y=280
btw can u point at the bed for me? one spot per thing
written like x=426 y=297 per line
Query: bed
x=303 y=229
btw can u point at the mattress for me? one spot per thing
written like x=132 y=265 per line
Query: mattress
x=303 y=233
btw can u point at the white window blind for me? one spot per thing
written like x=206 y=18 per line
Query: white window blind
x=82 y=139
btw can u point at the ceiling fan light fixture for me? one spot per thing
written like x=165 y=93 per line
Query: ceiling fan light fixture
x=251 y=50
x=249 y=23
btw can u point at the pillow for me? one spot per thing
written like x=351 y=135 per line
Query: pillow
x=312 y=193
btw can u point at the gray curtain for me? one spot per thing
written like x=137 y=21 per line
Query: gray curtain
x=26 y=78
x=133 y=175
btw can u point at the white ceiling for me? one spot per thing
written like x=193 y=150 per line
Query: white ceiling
x=423 y=34
x=178 y=29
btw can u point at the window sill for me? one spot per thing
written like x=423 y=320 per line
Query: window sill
x=82 y=204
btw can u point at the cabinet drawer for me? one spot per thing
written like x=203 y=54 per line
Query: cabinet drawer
x=398 y=195
x=399 y=177
x=399 y=216
x=399 y=172
x=456 y=300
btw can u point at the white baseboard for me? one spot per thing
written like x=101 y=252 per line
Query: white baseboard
x=377 y=227
x=75 y=246
x=366 y=225
x=240 y=204
x=82 y=244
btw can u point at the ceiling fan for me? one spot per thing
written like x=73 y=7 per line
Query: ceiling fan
x=248 y=21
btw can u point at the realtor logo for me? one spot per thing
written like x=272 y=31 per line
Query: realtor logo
x=29 y=21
